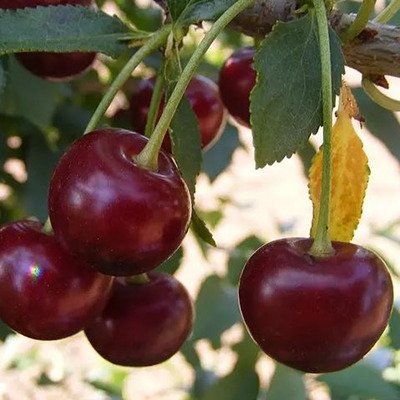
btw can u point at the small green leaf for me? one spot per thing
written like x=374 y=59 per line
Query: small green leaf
x=239 y=257
x=200 y=229
x=173 y=263
x=247 y=352
x=61 y=29
x=361 y=381
x=186 y=12
x=30 y=97
x=216 y=310
x=286 y=383
x=218 y=158
x=306 y=155
x=286 y=102
x=4 y=331
x=186 y=144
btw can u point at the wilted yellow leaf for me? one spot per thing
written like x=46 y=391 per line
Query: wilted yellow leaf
x=350 y=174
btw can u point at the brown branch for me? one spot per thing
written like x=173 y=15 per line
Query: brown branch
x=375 y=51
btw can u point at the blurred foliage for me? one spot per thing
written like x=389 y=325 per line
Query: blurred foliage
x=39 y=119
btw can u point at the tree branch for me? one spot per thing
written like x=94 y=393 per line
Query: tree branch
x=376 y=51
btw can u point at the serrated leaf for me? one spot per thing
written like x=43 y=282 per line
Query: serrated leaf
x=349 y=173
x=30 y=97
x=61 y=29
x=200 y=229
x=186 y=12
x=286 y=383
x=286 y=102
x=361 y=381
x=216 y=310
x=186 y=144
x=218 y=158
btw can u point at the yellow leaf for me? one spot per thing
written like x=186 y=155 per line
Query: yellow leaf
x=350 y=174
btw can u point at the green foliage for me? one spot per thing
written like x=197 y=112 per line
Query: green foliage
x=172 y=264
x=286 y=103
x=286 y=383
x=218 y=158
x=362 y=382
x=200 y=229
x=61 y=28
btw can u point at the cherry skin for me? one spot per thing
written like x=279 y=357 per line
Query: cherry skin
x=203 y=96
x=315 y=314
x=104 y=207
x=236 y=80
x=46 y=293
x=52 y=66
x=143 y=324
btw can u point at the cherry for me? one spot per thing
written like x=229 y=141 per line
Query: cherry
x=204 y=99
x=124 y=218
x=236 y=80
x=315 y=314
x=143 y=324
x=52 y=66
x=45 y=292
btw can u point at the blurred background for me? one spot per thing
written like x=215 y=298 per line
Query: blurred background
x=243 y=207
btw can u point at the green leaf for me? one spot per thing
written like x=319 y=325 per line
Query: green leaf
x=4 y=331
x=40 y=164
x=286 y=383
x=216 y=310
x=239 y=385
x=186 y=144
x=29 y=96
x=382 y=123
x=362 y=381
x=394 y=329
x=306 y=155
x=286 y=102
x=186 y=12
x=173 y=263
x=61 y=29
x=247 y=352
x=218 y=158
x=200 y=229
x=239 y=257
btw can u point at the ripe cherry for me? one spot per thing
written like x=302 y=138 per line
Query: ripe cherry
x=203 y=96
x=52 y=66
x=122 y=217
x=236 y=80
x=45 y=292
x=315 y=314
x=143 y=324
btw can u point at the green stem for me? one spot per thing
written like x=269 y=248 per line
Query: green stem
x=156 y=41
x=155 y=101
x=47 y=228
x=322 y=245
x=360 y=22
x=387 y=13
x=378 y=97
x=149 y=155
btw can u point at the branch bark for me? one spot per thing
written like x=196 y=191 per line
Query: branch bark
x=376 y=51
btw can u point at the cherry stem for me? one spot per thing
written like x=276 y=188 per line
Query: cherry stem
x=141 y=279
x=155 y=101
x=360 y=22
x=148 y=157
x=378 y=97
x=155 y=42
x=322 y=245
x=388 y=12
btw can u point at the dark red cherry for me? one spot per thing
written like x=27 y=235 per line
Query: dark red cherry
x=52 y=66
x=315 y=314
x=143 y=324
x=104 y=207
x=45 y=292
x=203 y=96
x=236 y=80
